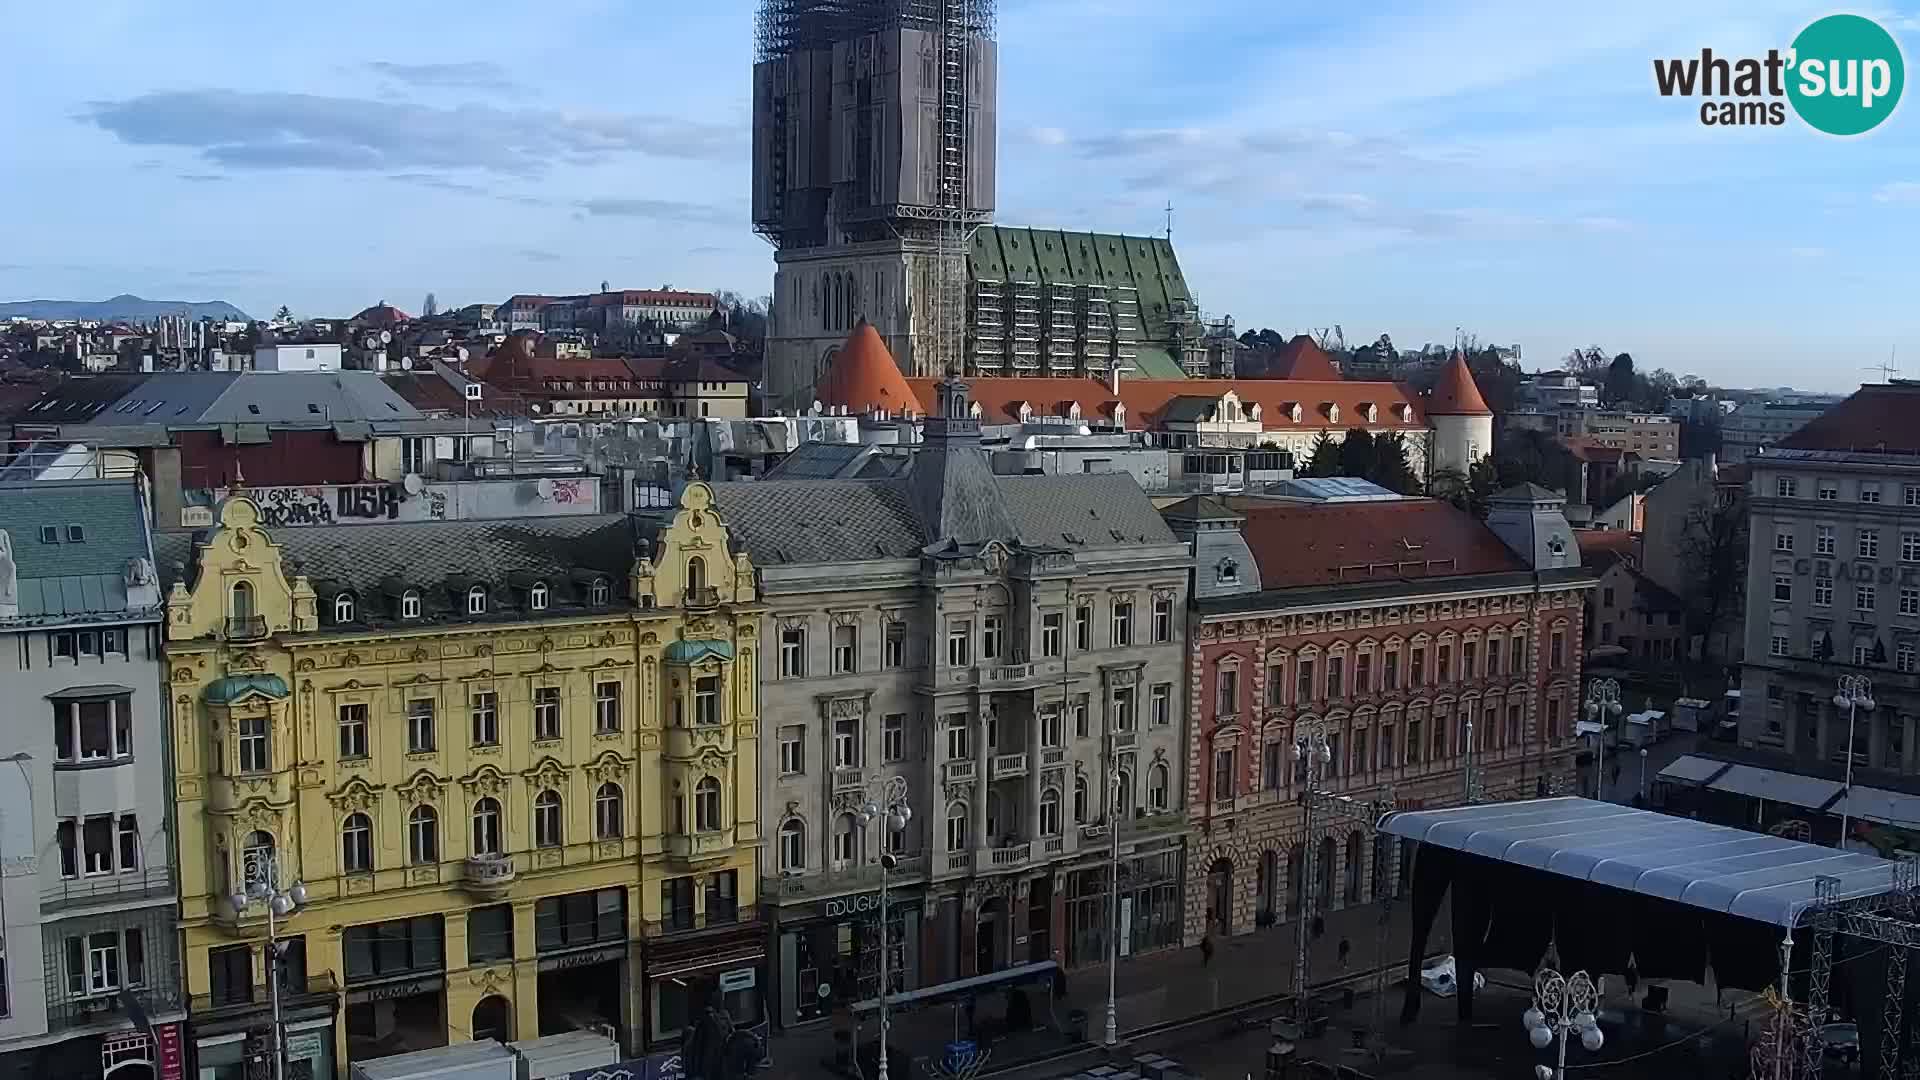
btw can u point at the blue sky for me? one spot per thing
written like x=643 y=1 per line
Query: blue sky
x=1504 y=166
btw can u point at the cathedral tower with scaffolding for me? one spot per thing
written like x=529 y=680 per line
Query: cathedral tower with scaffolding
x=873 y=162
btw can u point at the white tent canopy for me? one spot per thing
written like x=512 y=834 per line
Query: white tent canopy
x=1751 y=875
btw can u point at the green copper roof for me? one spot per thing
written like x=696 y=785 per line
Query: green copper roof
x=232 y=688
x=692 y=652
x=1053 y=256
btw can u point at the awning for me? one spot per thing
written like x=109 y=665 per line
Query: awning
x=1881 y=805
x=962 y=988
x=1750 y=875
x=1693 y=770
x=1793 y=789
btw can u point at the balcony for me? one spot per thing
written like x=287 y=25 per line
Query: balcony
x=489 y=875
x=959 y=861
x=1053 y=755
x=1125 y=740
x=700 y=597
x=848 y=779
x=907 y=868
x=147 y=884
x=110 y=1008
x=246 y=627
x=1006 y=766
x=1004 y=858
x=958 y=772
x=316 y=990
x=1055 y=845
x=699 y=846
x=1004 y=677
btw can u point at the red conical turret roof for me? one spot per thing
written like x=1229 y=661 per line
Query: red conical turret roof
x=1456 y=394
x=863 y=376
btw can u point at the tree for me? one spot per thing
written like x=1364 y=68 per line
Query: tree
x=1620 y=384
x=1590 y=363
x=429 y=307
x=1324 y=458
x=284 y=314
x=1356 y=454
x=1391 y=469
x=1712 y=552
x=746 y=319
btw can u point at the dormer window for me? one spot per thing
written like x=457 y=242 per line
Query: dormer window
x=343 y=608
x=1333 y=412
x=599 y=593
x=1228 y=572
x=1294 y=412
x=410 y=604
x=537 y=596
x=477 y=600
x=1370 y=411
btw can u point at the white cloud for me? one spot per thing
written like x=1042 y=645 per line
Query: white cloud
x=1898 y=191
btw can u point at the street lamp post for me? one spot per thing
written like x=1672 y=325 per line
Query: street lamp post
x=260 y=874
x=894 y=813
x=1643 y=773
x=1854 y=693
x=1562 y=1005
x=1113 y=899
x=1312 y=752
x=1603 y=707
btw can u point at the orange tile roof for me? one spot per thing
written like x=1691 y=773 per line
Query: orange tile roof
x=1456 y=394
x=1147 y=399
x=1343 y=543
x=1302 y=359
x=863 y=377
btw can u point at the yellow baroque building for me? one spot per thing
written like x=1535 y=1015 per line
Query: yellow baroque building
x=502 y=772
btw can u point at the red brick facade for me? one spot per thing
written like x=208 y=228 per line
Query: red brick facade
x=1390 y=670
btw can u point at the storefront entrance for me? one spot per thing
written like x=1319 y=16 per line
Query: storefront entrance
x=833 y=960
x=1040 y=919
x=396 y=1018
x=1150 y=907
x=990 y=937
x=582 y=991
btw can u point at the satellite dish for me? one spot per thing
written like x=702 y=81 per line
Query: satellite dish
x=543 y=488
x=461 y=352
x=372 y=342
x=386 y=336
x=414 y=484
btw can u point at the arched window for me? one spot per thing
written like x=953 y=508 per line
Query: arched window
x=1353 y=868
x=706 y=804
x=956 y=826
x=256 y=857
x=696 y=574
x=793 y=845
x=1050 y=812
x=477 y=600
x=410 y=604
x=1159 y=787
x=599 y=593
x=1079 y=800
x=343 y=608
x=609 y=817
x=356 y=844
x=547 y=831
x=486 y=827
x=242 y=600
x=846 y=840
x=423 y=836
x=537 y=596
x=492 y=1019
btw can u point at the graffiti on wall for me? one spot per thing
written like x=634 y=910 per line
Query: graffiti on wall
x=285 y=506
x=566 y=491
x=369 y=501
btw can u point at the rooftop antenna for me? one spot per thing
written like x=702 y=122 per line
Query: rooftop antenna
x=1169 y=221
x=1889 y=369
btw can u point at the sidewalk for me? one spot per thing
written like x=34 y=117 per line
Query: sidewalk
x=1149 y=989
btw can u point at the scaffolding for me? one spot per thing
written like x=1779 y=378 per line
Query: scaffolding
x=1060 y=331
x=784 y=27
x=990 y=327
x=1887 y=920
x=1025 y=331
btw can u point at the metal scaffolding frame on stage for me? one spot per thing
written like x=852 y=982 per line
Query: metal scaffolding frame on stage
x=1885 y=919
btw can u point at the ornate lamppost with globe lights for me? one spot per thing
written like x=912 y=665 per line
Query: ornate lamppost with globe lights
x=1312 y=752
x=894 y=813
x=260 y=873
x=1603 y=708
x=1854 y=693
x=1562 y=1006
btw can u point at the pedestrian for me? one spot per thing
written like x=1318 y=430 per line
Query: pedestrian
x=1613 y=775
x=1345 y=948
x=1206 y=950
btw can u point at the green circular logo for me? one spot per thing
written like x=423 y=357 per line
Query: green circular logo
x=1846 y=75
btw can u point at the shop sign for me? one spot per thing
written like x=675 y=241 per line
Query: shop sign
x=173 y=1061
x=390 y=991
x=737 y=979
x=304 y=1047
x=1864 y=572
x=841 y=907
x=587 y=958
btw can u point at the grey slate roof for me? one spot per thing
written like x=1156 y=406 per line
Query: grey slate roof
x=1527 y=492
x=112 y=524
x=833 y=521
x=1083 y=511
x=441 y=559
x=180 y=398
x=819 y=521
x=66 y=578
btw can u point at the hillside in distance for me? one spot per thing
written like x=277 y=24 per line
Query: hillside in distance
x=123 y=308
